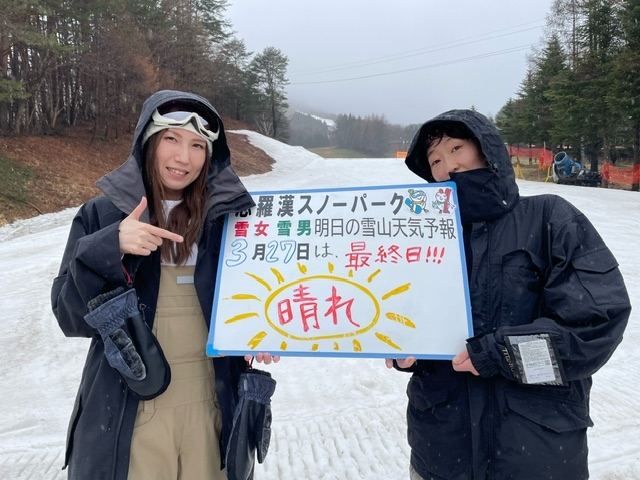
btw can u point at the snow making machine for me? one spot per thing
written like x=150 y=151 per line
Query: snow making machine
x=567 y=171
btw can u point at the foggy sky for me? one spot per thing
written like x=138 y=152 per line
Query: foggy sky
x=405 y=59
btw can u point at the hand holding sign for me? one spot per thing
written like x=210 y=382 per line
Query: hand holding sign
x=265 y=358
x=462 y=363
x=401 y=362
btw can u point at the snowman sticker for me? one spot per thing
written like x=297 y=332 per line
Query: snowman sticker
x=442 y=201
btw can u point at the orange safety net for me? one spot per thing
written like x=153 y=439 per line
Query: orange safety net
x=544 y=156
x=401 y=154
x=626 y=175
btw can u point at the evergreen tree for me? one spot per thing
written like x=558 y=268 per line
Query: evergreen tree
x=581 y=113
x=549 y=66
x=510 y=121
x=270 y=72
x=624 y=96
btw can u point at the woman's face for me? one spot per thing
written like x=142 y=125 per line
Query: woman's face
x=448 y=155
x=179 y=158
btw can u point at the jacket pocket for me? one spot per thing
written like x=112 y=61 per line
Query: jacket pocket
x=523 y=279
x=542 y=433
x=600 y=278
x=551 y=412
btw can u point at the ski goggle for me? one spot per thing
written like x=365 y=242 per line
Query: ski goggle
x=181 y=119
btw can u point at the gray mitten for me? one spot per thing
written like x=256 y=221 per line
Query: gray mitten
x=107 y=314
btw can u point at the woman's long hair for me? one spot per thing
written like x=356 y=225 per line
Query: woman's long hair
x=187 y=217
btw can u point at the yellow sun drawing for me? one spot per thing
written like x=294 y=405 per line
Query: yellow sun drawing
x=296 y=309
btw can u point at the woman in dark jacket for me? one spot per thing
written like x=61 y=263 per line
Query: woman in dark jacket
x=164 y=258
x=549 y=308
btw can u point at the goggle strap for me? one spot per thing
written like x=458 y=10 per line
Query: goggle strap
x=193 y=118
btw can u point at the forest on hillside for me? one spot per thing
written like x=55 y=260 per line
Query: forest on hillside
x=72 y=61
x=67 y=62
x=63 y=63
x=582 y=90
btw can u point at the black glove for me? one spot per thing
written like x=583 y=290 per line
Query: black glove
x=129 y=345
x=251 y=431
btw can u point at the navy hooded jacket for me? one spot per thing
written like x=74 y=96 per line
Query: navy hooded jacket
x=101 y=426
x=536 y=266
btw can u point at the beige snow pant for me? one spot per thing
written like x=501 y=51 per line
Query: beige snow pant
x=176 y=434
x=413 y=475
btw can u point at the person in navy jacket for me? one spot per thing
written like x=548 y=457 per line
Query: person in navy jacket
x=549 y=308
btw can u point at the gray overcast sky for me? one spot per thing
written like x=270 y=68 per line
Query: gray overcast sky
x=405 y=59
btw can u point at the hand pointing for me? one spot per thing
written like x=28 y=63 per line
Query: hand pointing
x=139 y=238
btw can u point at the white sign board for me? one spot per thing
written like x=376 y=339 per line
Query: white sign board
x=355 y=272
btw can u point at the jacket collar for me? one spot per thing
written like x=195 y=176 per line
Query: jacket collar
x=480 y=195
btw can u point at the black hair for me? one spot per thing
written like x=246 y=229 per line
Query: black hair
x=451 y=129
x=454 y=124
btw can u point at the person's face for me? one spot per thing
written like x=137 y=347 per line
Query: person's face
x=179 y=158
x=453 y=155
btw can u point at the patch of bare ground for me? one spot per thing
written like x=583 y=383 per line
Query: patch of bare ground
x=67 y=165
